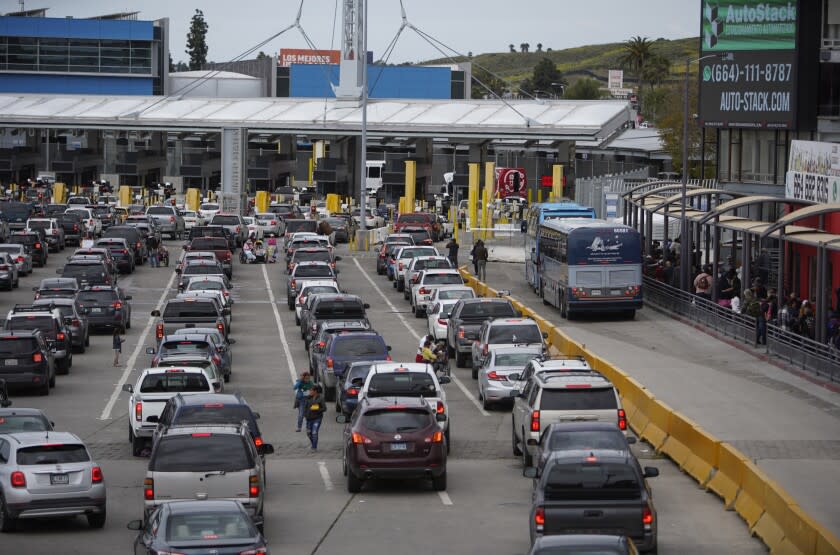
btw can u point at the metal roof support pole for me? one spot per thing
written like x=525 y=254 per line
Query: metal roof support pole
x=746 y=265
x=716 y=262
x=707 y=247
x=698 y=233
x=649 y=233
x=665 y=227
x=822 y=298
x=780 y=285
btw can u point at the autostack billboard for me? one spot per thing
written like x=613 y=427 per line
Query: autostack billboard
x=750 y=64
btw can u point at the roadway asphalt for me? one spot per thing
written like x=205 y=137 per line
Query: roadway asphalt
x=788 y=425
x=308 y=510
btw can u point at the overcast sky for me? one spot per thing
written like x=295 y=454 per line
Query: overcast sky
x=478 y=26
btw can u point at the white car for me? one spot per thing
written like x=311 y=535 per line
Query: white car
x=421 y=263
x=421 y=291
x=254 y=228
x=403 y=260
x=149 y=395
x=269 y=223
x=313 y=287
x=437 y=316
x=208 y=209
x=192 y=219
x=372 y=220
x=89 y=219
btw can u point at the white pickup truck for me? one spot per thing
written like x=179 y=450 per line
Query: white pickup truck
x=149 y=395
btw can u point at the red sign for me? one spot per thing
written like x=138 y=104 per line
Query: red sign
x=289 y=56
x=546 y=181
x=511 y=182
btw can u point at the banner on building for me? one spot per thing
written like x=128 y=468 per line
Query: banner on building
x=813 y=172
x=289 y=56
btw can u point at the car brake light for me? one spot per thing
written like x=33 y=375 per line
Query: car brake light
x=253 y=486
x=539 y=518
x=138 y=411
x=329 y=362
x=401 y=266
x=172 y=219
x=293 y=284
x=159 y=331
x=117 y=305
x=37 y=357
x=258 y=441
x=440 y=409
x=37 y=245
x=535 y=421
x=20 y=259
x=75 y=227
x=424 y=291
x=461 y=333
x=238 y=229
x=622 y=419
x=149 y=489
x=221 y=327
x=388 y=358
x=358 y=439
x=353 y=391
x=443 y=322
x=495 y=377
x=96 y=475
x=138 y=244
x=18 y=479
x=647 y=516
x=436 y=437
x=76 y=323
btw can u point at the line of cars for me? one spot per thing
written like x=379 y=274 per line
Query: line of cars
x=567 y=422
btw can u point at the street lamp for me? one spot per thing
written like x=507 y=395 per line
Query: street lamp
x=685 y=254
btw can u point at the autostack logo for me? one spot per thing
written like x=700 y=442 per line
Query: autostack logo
x=749 y=25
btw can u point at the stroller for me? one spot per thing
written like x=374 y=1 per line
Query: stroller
x=260 y=252
x=163 y=255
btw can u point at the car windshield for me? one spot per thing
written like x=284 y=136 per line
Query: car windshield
x=336 y=222
x=266 y=218
x=200 y=269
x=442 y=279
x=52 y=454
x=413 y=253
x=32 y=322
x=527 y=333
x=15 y=346
x=414 y=219
x=454 y=294
x=225 y=220
x=432 y=264
x=578 y=399
x=11 y=249
x=214 y=413
x=16 y=210
x=394 y=247
x=203 y=526
x=587 y=440
x=209 y=206
x=159 y=211
x=201 y=452
x=96 y=297
x=11 y=423
x=190 y=310
x=315 y=289
x=591 y=481
x=169 y=382
x=394 y=421
x=313 y=271
x=359 y=346
x=407 y=384
x=86 y=272
x=487 y=310
x=514 y=359
x=358 y=373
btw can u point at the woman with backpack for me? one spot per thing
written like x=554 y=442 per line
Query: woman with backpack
x=315 y=409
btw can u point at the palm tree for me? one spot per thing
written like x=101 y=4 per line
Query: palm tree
x=512 y=49
x=637 y=52
x=539 y=47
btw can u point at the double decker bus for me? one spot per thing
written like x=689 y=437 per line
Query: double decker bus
x=537 y=214
x=589 y=265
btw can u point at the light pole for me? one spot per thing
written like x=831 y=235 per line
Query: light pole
x=685 y=254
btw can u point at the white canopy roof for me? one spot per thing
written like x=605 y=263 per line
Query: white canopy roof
x=483 y=119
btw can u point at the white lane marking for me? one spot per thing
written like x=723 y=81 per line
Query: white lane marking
x=281 y=330
x=325 y=475
x=132 y=360
x=444 y=498
x=416 y=335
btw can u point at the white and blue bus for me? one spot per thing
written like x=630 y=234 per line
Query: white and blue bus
x=537 y=214
x=589 y=265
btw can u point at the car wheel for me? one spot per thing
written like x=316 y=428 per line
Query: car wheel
x=514 y=444
x=45 y=389
x=82 y=348
x=447 y=437
x=527 y=459
x=87 y=340
x=291 y=304
x=97 y=520
x=130 y=434
x=137 y=445
x=7 y=522
x=329 y=394
x=439 y=483
x=63 y=367
x=128 y=324
x=474 y=373
x=400 y=285
x=297 y=323
x=418 y=312
x=460 y=360
x=485 y=404
x=354 y=485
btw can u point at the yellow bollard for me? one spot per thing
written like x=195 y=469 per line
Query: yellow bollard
x=557 y=182
x=489 y=188
x=193 y=199
x=410 y=183
x=529 y=196
x=125 y=195
x=472 y=198
x=539 y=195
x=59 y=193
x=261 y=201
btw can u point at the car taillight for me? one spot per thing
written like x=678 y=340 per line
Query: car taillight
x=37 y=357
x=149 y=489
x=539 y=518
x=301 y=300
x=37 y=245
x=221 y=327
x=293 y=284
x=440 y=408
x=401 y=266
x=138 y=245
x=436 y=437
x=647 y=517
x=75 y=227
x=172 y=219
x=76 y=323
x=217 y=360
x=238 y=229
x=18 y=479
x=257 y=551
x=329 y=362
x=138 y=411
x=117 y=305
x=358 y=438
x=443 y=322
x=388 y=358
x=159 y=331
x=622 y=419
x=258 y=441
x=273 y=222
x=495 y=377
x=4 y=267
x=55 y=232
x=353 y=391
x=60 y=336
x=535 y=421
x=227 y=255
x=20 y=259
x=424 y=291
x=461 y=333
x=96 y=475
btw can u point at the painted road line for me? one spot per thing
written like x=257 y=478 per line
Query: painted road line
x=325 y=475
x=416 y=335
x=444 y=498
x=132 y=360
x=280 y=329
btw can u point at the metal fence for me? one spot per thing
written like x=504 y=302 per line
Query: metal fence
x=823 y=360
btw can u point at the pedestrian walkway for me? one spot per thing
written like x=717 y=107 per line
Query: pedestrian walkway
x=787 y=425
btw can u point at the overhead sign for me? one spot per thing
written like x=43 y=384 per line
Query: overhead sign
x=757 y=87
x=813 y=172
x=511 y=182
x=289 y=56
x=615 y=79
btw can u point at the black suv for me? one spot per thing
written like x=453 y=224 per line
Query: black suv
x=26 y=360
x=72 y=225
x=107 y=307
x=209 y=408
x=333 y=307
x=49 y=321
x=88 y=272
x=134 y=239
x=213 y=231
x=34 y=243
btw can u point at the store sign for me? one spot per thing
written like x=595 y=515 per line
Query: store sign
x=813 y=172
x=615 y=79
x=289 y=56
x=757 y=87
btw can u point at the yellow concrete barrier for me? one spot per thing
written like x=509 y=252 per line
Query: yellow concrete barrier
x=644 y=401
x=827 y=543
x=750 y=501
x=730 y=472
x=800 y=533
x=656 y=431
x=770 y=525
x=703 y=454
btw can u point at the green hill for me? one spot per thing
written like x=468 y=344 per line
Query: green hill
x=595 y=59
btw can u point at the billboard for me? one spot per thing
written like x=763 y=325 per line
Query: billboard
x=289 y=56
x=511 y=182
x=813 y=172
x=755 y=86
x=615 y=79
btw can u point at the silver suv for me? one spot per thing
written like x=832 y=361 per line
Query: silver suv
x=211 y=461
x=505 y=332
x=48 y=475
x=168 y=219
x=235 y=224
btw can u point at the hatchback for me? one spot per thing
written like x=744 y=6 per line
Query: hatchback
x=56 y=288
x=347 y=394
x=34 y=245
x=344 y=348
x=497 y=373
x=27 y=360
x=21 y=257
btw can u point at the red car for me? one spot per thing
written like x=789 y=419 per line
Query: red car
x=420 y=219
x=394 y=438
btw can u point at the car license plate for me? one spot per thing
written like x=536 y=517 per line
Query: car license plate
x=11 y=362
x=95 y=310
x=616 y=292
x=59 y=479
x=399 y=447
x=596 y=293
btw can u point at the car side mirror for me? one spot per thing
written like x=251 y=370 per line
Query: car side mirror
x=178 y=271
x=135 y=525
x=256 y=416
x=545 y=335
x=128 y=297
x=153 y=418
x=35 y=289
x=631 y=440
x=150 y=350
x=59 y=271
x=128 y=388
x=156 y=313
x=651 y=472
x=231 y=341
x=513 y=377
x=265 y=449
x=226 y=311
x=338 y=259
x=443 y=380
x=341 y=419
x=389 y=348
x=529 y=472
x=440 y=417
x=366 y=305
x=337 y=271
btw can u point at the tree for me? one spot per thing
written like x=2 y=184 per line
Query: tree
x=262 y=55
x=512 y=49
x=483 y=80
x=197 y=41
x=539 y=47
x=469 y=54
x=584 y=89
x=546 y=77
x=636 y=53
x=656 y=70
x=669 y=120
